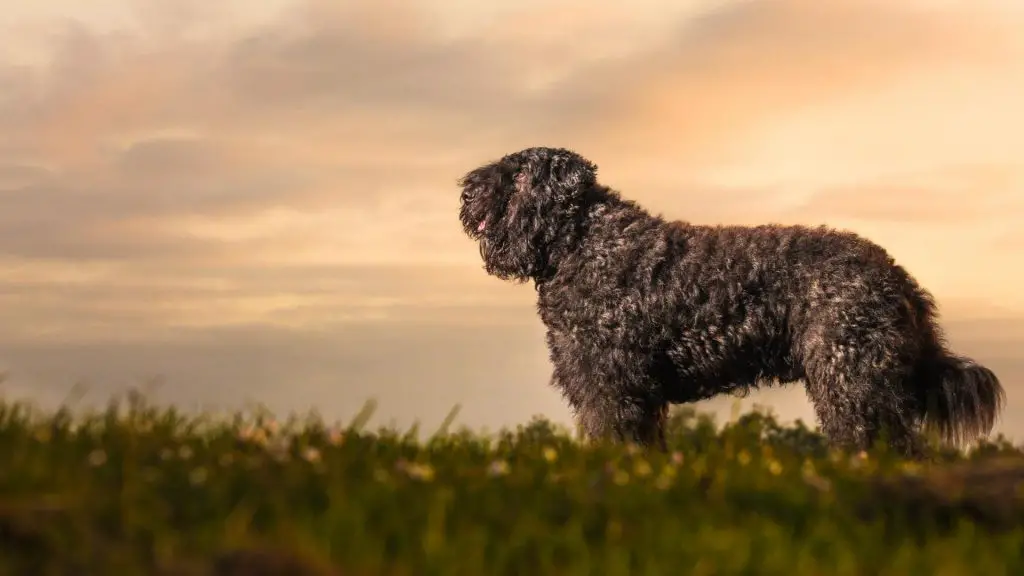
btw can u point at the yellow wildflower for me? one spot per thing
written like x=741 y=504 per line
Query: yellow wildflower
x=743 y=457
x=97 y=458
x=642 y=469
x=498 y=468
x=311 y=454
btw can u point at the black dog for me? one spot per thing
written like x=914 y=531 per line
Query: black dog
x=642 y=312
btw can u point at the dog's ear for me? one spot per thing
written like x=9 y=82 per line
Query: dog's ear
x=563 y=174
x=571 y=174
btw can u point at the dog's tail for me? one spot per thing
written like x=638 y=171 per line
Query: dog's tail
x=964 y=401
x=960 y=399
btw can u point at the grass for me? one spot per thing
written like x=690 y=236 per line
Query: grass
x=139 y=489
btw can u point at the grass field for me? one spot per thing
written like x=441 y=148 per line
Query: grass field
x=145 y=490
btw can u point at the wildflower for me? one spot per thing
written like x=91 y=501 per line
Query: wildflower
x=311 y=454
x=336 y=437
x=775 y=467
x=620 y=477
x=743 y=457
x=699 y=466
x=550 y=454
x=280 y=447
x=910 y=468
x=498 y=468
x=197 y=476
x=665 y=477
x=677 y=458
x=185 y=452
x=272 y=427
x=259 y=436
x=422 y=472
x=811 y=477
x=252 y=434
x=859 y=460
x=642 y=469
x=97 y=458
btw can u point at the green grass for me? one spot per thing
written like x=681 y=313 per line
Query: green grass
x=146 y=490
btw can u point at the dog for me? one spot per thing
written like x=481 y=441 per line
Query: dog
x=642 y=312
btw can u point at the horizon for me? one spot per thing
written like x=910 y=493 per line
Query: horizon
x=259 y=203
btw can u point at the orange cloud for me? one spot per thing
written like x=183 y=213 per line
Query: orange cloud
x=352 y=122
x=730 y=71
x=957 y=195
x=334 y=134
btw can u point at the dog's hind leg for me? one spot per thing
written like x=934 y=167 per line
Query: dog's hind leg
x=859 y=390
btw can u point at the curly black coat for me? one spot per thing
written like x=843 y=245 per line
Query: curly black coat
x=642 y=312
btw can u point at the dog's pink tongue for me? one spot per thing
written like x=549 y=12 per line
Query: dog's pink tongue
x=483 y=224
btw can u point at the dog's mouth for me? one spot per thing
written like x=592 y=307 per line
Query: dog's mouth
x=476 y=225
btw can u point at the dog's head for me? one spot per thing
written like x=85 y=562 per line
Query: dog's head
x=518 y=206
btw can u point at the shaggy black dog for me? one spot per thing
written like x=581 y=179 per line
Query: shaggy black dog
x=642 y=312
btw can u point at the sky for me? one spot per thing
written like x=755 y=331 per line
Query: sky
x=237 y=202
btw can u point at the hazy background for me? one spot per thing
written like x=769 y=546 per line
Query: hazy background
x=256 y=201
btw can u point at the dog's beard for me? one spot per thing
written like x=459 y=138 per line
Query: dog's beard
x=485 y=249
x=480 y=217
x=475 y=222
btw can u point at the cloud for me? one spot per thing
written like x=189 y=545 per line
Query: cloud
x=498 y=378
x=237 y=195
x=344 y=106
x=947 y=196
x=417 y=371
x=107 y=306
x=731 y=71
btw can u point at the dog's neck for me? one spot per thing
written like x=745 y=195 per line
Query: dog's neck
x=607 y=208
x=603 y=208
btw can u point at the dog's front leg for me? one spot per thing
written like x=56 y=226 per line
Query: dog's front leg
x=613 y=409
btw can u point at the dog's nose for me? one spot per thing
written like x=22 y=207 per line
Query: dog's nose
x=466 y=195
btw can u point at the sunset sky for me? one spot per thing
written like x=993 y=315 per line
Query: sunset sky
x=256 y=201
